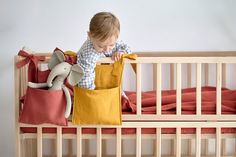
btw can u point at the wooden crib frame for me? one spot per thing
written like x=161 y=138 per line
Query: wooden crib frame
x=157 y=121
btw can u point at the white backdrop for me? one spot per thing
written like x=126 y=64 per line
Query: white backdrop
x=150 y=25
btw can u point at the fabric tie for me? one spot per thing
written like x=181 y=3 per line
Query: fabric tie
x=33 y=64
x=28 y=58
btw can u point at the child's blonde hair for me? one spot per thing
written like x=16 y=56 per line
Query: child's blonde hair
x=104 y=25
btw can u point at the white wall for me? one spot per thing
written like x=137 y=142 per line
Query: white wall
x=150 y=25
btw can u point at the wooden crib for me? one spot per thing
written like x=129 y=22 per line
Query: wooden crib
x=196 y=144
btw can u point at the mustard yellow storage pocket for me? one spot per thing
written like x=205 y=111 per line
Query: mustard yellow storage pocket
x=97 y=106
x=102 y=105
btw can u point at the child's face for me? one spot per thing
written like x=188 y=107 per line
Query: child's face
x=104 y=46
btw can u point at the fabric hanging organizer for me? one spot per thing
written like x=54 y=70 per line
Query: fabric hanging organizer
x=42 y=105
x=102 y=105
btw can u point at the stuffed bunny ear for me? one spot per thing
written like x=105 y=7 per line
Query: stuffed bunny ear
x=75 y=75
x=56 y=58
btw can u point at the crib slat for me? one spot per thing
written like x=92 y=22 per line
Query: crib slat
x=99 y=142
x=218 y=142
x=198 y=90
x=158 y=142
x=39 y=142
x=198 y=142
x=178 y=89
x=118 y=142
x=138 y=88
x=138 y=142
x=79 y=142
x=158 y=89
x=218 y=91
x=59 y=142
x=178 y=142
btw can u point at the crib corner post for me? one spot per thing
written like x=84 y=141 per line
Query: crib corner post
x=17 y=107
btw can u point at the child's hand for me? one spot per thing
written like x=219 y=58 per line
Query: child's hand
x=117 y=55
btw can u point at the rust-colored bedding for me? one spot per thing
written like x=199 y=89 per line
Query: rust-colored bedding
x=188 y=104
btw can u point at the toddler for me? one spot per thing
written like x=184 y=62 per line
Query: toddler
x=104 y=29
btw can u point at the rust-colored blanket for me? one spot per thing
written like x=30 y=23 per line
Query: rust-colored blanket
x=188 y=99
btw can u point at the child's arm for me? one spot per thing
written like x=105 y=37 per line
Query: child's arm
x=87 y=60
x=119 y=49
x=122 y=47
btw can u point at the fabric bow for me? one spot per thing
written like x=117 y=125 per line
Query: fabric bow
x=33 y=62
x=28 y=58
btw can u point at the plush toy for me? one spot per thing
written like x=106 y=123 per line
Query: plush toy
x=60 y=71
